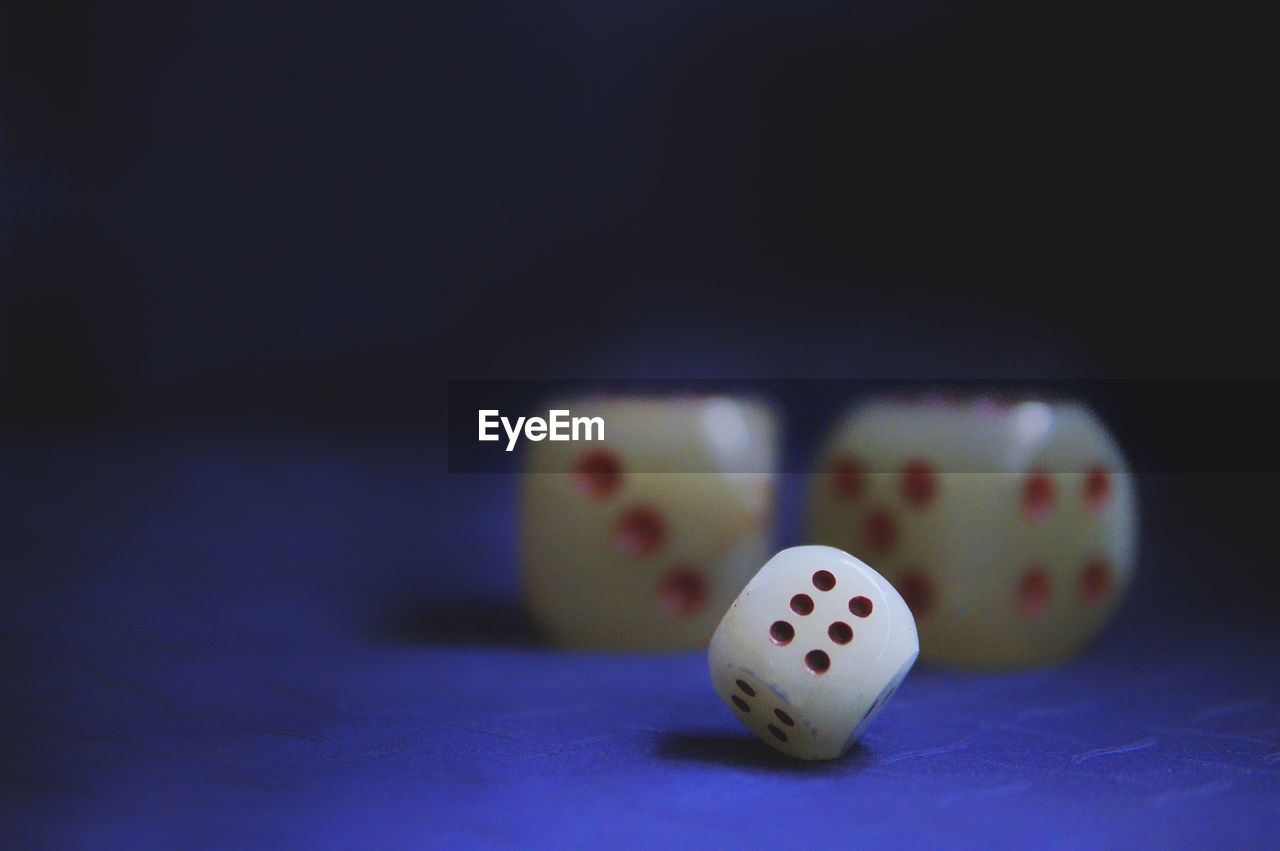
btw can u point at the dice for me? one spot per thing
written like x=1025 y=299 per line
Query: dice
x=641 y=541
x=1009 y=528
x=811 y=651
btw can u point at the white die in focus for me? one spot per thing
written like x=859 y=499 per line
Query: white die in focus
x=641 y=541
x=1010 y=529
x=811 y=651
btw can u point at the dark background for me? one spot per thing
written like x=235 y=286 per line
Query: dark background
x=243 y=247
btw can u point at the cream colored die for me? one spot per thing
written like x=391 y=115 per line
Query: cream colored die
x=811 y=651
x=640 y=542
x=1010 y=529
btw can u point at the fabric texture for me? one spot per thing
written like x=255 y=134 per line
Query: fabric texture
x=267 y=642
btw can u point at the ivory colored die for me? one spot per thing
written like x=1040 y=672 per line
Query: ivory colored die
x=811 y=651
x=1010 y=529
x=640 y=542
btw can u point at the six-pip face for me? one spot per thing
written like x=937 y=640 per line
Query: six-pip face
x=819 y=635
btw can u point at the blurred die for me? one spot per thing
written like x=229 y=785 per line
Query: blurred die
x=1009 y=528
x=641 y=541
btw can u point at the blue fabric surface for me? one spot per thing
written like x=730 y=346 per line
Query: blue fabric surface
x=267 y=642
